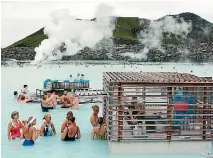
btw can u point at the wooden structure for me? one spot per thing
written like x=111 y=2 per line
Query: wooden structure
x=158 y=106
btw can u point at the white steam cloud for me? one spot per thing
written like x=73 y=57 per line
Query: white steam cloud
x=73 y=35
x=152 y=36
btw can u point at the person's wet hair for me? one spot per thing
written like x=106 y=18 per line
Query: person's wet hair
x=15 y=93
x=100 y=120
x=25 y=86
x=69 y=113
x=14 y=113
x=22 y=97
x=73 y=119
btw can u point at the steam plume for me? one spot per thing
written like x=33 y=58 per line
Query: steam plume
x=73 y=35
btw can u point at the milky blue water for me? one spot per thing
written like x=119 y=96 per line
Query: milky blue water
x=13 y=78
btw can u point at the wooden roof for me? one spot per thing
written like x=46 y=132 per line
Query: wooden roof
x=155 y=77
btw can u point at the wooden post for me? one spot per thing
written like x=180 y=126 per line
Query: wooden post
x=204 y=112
x=120 y=113
x=169 y=113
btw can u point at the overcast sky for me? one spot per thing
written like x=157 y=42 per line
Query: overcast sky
x=19 y=19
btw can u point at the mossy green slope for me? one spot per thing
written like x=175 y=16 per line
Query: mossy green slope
x=31 y=41
x=127 y=28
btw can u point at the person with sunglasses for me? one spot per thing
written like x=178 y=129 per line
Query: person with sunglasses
x=71 y=132
x=47 y=128
x=94 y=117
x=30 y=134
x=14 y=127
x=66 y=123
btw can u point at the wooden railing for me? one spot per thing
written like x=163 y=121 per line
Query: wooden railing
x=158 y=112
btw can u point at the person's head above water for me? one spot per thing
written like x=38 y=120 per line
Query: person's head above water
x=31 y=121
x=73 y=119
x=22 y=97
x=49 y=93
x=69 y=113
x=25 y=86
x=15 y=93
x=95 y=109
x=47 y=117
x=44 y=97
x=15 y=115
x=69 y=119
x=100 y=120
x=65 y=93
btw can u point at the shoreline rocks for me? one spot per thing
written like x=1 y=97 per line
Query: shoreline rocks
x=201 y=52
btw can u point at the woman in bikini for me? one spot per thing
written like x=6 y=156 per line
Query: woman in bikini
x=47 y=128
x=14 y=127
x=100 y=131
x=71 y=132
x=66 y=122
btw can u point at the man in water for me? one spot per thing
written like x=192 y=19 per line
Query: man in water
x=47 y=100
x=71 y=132
x=50 y=99
x=55 y=98
x=25 y=90
x=75 y=102
x=47 y=128
x=63 y=98
x=94 y=117
x=29 y=132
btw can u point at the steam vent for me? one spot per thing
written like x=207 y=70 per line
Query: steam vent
x=158 y=112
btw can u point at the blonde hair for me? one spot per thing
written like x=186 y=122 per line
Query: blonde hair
x=95 y=106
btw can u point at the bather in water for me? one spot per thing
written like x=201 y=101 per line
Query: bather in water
x=99 y=132
x=47 y=128
x=30 y=134
x=71 y=132
x=94 y=117
x=14 y=127
x=66 y=123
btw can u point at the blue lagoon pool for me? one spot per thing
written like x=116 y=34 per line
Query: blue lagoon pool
x=13 y=78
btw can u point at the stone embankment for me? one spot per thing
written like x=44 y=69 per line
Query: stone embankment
x=201 y=52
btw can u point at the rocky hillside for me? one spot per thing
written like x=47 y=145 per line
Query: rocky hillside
x=197 y=46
